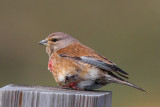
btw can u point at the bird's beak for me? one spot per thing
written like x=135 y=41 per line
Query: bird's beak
x=43 y=42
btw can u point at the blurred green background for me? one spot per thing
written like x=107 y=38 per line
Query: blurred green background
x=125 y=31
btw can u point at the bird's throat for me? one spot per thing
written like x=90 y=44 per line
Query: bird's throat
x=49 y=50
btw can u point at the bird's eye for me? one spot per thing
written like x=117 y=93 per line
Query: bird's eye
x=54 y=40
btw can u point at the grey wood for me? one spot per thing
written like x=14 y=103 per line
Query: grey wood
x=38 y=96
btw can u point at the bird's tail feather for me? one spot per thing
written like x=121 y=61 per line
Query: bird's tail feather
x=123 y=82
x=134 y=86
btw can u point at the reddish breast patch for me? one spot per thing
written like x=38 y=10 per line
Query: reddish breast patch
x=50 y=65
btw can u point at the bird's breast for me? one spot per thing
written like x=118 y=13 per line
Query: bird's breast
x=62 y=68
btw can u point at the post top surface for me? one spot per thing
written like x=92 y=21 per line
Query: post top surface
x=53 y=90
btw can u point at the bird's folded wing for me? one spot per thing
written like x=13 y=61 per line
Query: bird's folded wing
x=99 y=64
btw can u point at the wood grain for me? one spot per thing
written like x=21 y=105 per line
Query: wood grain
x=38 y=96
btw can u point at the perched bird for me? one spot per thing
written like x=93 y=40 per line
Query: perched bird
x=79 y=67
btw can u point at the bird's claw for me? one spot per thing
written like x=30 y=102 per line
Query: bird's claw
x=70 y=85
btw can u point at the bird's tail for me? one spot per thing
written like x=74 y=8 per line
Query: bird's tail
x=123 y=82
x=134 y=86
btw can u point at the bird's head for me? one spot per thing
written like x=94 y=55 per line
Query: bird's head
x=56 y=41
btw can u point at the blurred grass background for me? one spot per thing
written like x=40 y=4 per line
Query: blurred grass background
x=126 y=32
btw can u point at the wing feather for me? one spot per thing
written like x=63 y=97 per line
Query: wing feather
x=98 y=63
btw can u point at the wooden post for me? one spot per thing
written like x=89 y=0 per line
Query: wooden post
x=38 y=96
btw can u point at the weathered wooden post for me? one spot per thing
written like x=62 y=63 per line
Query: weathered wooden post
x=38 y=96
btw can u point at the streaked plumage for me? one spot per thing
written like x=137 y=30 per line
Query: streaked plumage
x=79 y=67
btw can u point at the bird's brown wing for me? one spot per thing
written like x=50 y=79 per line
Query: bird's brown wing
x=79 y=52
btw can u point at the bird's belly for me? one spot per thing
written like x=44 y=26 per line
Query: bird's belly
x=89 y=85
x=92 y=78
x=66 y=76
x=61 y=77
